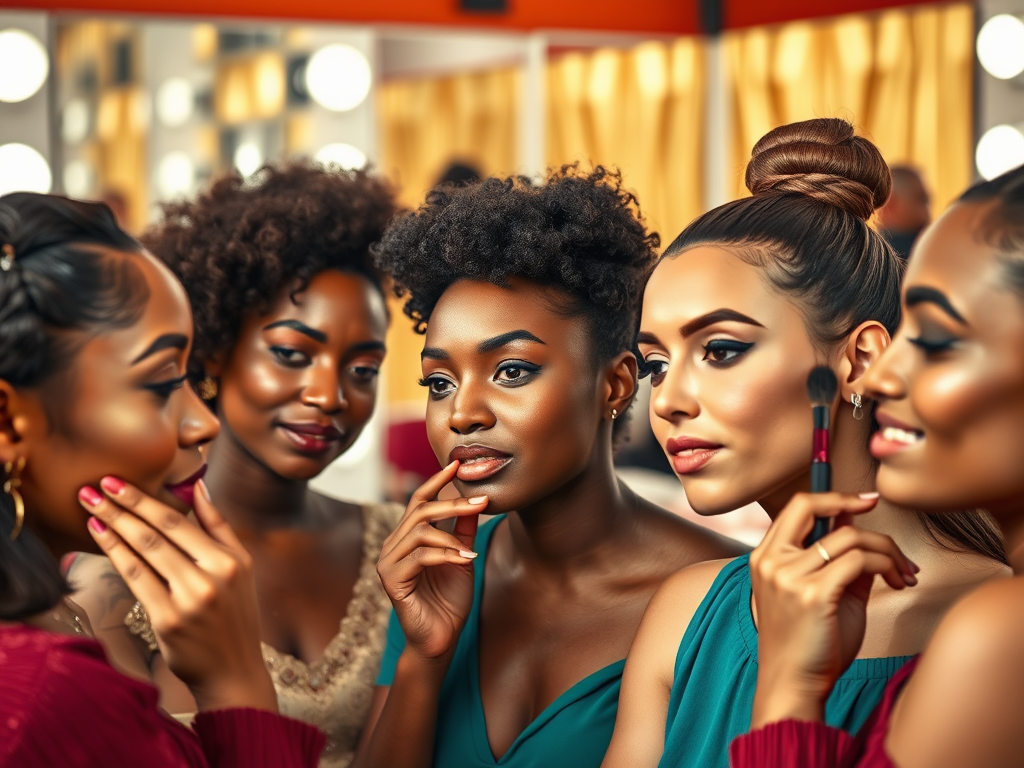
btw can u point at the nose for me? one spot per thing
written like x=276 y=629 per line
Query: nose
x=887 y=378
x=470 y=412
x=198 y=425
x=673 y=399
x=323 y=389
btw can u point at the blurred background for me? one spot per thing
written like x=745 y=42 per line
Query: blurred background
x=135 y=102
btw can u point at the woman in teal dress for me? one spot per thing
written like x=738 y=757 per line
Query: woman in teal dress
x=507 y=643
x=747 y=301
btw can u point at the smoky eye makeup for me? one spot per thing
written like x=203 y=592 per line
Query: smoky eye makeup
x=438 y=386
x=164 y=389
x=516 y=373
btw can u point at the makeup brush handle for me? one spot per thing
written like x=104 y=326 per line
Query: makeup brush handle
x=822 y=527
x=821 y=477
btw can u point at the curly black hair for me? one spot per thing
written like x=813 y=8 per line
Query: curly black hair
x=239 y=243
x=578 y=232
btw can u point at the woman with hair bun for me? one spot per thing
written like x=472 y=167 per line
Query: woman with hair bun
x=950 y=394
x=749 y=299
x=290 y=324
x=507 y=642
x=99 y=444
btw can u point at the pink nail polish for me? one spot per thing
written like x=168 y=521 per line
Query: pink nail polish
x=868 y=496
x=112 y=485
x=90 y=496
x=97 y=525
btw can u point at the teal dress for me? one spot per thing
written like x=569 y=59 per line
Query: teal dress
x=573 y=731
x=716 y=673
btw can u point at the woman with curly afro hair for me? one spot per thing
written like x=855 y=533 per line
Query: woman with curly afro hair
x=507 y=644
x=290 y=321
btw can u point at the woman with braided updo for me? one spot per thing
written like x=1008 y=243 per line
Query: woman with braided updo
x=290 y=322
x=507 y=642
x=99 y=443
x=749 y=299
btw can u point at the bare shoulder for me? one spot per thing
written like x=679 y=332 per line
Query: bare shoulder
x=682 y=543
x=962 y=705
x=677 y=600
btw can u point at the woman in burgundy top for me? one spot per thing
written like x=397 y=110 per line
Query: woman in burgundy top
x=94 y=336
x=950 y=402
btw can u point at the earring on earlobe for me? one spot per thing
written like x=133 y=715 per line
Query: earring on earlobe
x=615 y=413
x=11 y=485
x=207 y=388
x=858 y=402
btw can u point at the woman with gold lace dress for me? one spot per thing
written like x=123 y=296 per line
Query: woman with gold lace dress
x=290 y=324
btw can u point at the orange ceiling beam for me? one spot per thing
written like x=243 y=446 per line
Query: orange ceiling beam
x=672 y=17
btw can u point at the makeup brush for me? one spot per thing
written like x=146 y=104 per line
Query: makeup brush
x=821 y=390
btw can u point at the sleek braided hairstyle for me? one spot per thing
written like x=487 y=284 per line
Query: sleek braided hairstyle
x=56 y=289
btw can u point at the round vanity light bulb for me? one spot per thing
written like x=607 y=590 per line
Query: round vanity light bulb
x=344 y=155
x=338 y=77
x=24 y=65
x=999 y=150
x=23 y=169
x=1000 y=46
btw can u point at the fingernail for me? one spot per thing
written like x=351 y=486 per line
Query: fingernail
x=915 y=566
x=867 y=496
x=96 y=524
x=90 y=495
x=205 y=490
x=467 y=554
x=910 y=579
x=452 y=464
x=112 y=485
x=477 y=500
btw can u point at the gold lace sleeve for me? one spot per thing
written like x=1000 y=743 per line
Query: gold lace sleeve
x=137 y=621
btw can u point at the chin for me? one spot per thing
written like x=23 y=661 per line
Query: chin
x=706 y=502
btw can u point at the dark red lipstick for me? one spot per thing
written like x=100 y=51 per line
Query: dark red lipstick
x=478 y=462
x=312 y=438
x=186 y=489
x=690 y=454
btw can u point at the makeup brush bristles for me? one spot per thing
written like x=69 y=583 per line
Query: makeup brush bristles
x=822 y=386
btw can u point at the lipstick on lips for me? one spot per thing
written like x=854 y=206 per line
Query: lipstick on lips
x=892 y=436
x=186 y=489
x=690 y=454
x=310 y=437
x=478 y=462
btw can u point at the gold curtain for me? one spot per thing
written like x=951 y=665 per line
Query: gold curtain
x=638 y=110
x=425 y=124
x=903 y=77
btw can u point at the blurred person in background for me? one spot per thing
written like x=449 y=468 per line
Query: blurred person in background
x=290 y=324
x=907 y=211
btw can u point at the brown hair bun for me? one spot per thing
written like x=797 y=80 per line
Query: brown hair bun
x=823 y=159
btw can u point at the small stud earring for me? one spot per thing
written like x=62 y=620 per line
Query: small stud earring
x=858 y=411
x=615 y=413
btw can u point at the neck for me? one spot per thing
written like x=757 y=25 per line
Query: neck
x=1011 y=524
x=248 y=493
x=574 y=527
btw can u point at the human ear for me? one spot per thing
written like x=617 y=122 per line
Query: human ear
x=14 y=423
x=862 y=349
x=620 y=383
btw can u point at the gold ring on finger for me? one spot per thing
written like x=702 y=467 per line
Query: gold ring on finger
x=823 y=552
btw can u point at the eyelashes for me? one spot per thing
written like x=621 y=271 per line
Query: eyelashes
x=164 y=389
x=510 y=374
x=933 y=347
x=724 y=351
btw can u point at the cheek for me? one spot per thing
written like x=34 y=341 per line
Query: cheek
x=251 y=388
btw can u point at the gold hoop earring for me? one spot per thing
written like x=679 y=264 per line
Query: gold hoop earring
x=207 y=388
x=11 y=486
x=858 y=401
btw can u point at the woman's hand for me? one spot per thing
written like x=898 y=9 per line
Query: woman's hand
x=811 y=603
x=196 y=584
x=427 y=573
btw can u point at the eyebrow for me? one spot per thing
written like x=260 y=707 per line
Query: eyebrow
x=925 y=295
x=647 y=338
x=295 y=325
x=368 y=346
x=485 y=346
x=718 y=316
x=167 y=341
